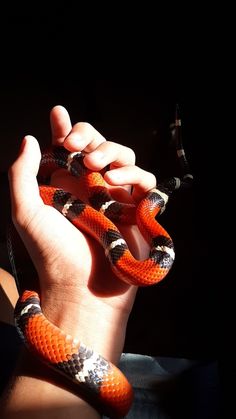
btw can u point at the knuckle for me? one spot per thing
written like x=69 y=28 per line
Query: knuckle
x=84 y=127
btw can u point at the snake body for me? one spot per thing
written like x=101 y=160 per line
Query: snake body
x=98 y=217
x=103 y=383
x=97 y=220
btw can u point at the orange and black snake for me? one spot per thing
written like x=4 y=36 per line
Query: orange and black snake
x=82 y=365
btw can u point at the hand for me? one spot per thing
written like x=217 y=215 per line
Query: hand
x=79 y=292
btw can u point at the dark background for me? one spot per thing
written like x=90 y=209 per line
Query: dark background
x=45 y=63
x=138 y=113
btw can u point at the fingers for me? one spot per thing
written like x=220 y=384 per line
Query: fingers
x=83 y=136
x=123 y=171
x=60 y=124
x=141 y=180
x=24 y=189
x=101 y=153
x=109 y=153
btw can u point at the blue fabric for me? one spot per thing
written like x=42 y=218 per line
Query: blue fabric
x=168 y=388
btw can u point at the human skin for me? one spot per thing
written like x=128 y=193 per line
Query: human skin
x=79 y=292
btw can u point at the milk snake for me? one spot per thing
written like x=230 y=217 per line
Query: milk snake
x=101 y=379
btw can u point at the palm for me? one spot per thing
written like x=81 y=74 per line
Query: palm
x=65 y=257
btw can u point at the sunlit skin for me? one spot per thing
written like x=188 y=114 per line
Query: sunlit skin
x=79 y=292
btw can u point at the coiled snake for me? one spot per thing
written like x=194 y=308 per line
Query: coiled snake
x=82 y=365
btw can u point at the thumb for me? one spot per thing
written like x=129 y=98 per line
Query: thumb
x=24 y=191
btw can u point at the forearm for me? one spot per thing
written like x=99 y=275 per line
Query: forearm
x=38 y=391
x=89 y=319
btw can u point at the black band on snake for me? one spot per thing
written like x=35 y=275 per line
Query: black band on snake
x=73 y=359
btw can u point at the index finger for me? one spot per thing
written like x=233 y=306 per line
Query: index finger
x=60 y=124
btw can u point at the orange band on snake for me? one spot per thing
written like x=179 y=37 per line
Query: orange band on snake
x=73 y=359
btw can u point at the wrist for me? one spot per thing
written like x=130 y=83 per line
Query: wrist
x=101 y=381
x=90 y=319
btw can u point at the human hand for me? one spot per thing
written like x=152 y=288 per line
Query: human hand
x=79 y=292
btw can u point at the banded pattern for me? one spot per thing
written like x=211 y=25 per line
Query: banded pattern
x=100 y=378
x=99 y=215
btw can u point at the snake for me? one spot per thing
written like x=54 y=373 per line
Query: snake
x=99 y=217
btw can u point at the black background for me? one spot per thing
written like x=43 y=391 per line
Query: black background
x=42 y=69
x=183 y=309
x=49 y=58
